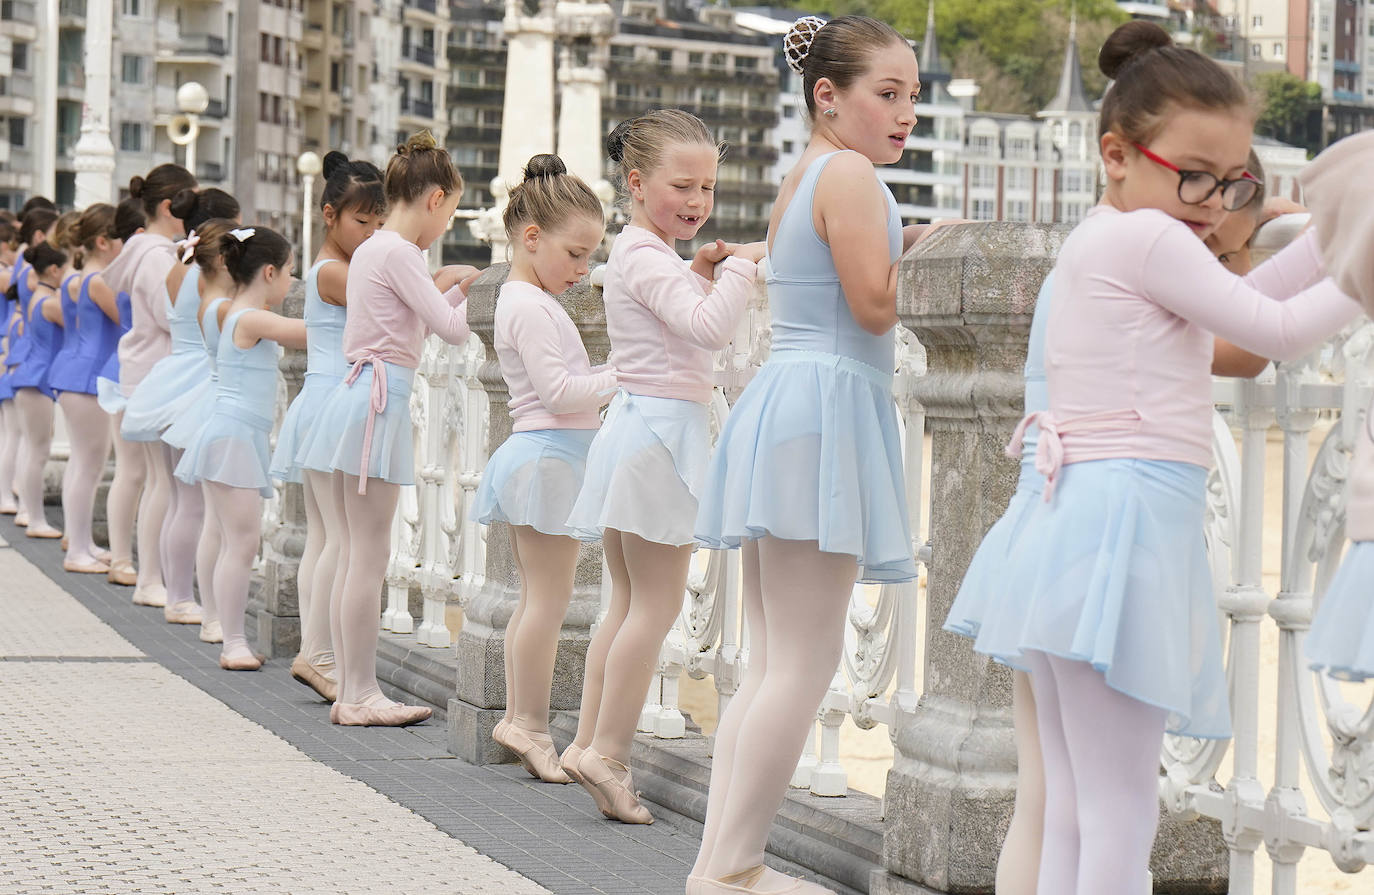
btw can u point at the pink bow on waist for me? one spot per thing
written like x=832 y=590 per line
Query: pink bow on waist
x=1049 y=450
x=376 y=405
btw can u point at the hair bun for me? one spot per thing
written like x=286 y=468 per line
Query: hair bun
x=615 y=140
x=136 y=186
x=544 y=165
x=797 y=42
x=333 y=161
x=1128 y=43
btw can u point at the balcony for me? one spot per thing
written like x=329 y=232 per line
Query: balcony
x=417 y=108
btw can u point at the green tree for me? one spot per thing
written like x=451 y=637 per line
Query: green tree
x=1288 y=104
x=1003 y=43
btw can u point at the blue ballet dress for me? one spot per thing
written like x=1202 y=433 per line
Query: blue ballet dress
x=108 y=393
x=44 y=341
x=231 y=448
x=325 y=368
x=811 y=450
x=89 y=343
x=986 y=589
x=197 y=413
x=176 y=381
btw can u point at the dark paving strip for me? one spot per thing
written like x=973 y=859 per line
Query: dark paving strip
x=550 y=834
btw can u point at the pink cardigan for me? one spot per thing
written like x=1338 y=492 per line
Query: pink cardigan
x=141 y=269
x=664 y=320
x=551 y=381
x=1128 y=355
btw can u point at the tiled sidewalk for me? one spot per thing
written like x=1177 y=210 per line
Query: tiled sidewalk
x=107 y=711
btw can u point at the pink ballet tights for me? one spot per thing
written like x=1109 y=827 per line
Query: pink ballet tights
x=89 y=428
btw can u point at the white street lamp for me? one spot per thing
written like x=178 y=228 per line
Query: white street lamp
x=309 y=166
x=183 y=129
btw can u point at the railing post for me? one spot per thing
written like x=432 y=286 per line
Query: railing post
x=278 y=616
x=481 y=685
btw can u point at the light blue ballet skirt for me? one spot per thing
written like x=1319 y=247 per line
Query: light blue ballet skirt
x=986 y=589
x=533 y=479
x=176 y=381
x=340 y=440
x=325 y=368
x=197 y=413
x=812 y=450
x=90 y=341
x=108 y=393
x=231 y=448
x=1113 y=571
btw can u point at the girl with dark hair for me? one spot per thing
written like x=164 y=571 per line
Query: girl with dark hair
x=33 y=395
x=176 y=384
x=362 y=437
x=352 y=206
x=141 y=270
x=229 y=453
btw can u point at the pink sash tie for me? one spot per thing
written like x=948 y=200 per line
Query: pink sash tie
x=376 y=405
x=1049 y=450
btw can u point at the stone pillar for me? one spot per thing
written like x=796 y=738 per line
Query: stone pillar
x=278 y=615
x=481 y=685
x=968 y=295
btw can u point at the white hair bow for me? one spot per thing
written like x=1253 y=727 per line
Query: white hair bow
x=243 y=234
x=188 y=246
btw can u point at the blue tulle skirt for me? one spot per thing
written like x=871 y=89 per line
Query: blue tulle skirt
x=335 y=441
x=1341 y=639
x=296 y=425
x=986 y=588
x=174 y=383
x=231 y=448
x=645 y=470
x=1114 y=572
x=812 y=452
x=533 y=479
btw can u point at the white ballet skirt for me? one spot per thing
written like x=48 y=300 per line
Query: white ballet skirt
x=645 y=470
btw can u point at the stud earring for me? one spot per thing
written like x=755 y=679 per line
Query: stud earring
x=830 y=113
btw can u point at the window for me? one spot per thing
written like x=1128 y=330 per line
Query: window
x=130 y=137
x=132 y=69
x=1256 y=51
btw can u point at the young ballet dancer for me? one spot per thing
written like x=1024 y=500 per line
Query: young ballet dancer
x=807 y=478
x=174 y=385
x=33 y=395
x=363 y=436
x=142 y=482
x=1338 y=189
x=1115 y=620
x=92 y=333
x=36 y=224
x=553 y=222
x=352 y=206
x=229 y=453
x=646 y=466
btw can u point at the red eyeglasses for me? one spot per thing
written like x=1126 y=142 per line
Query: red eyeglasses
x=1196 y=187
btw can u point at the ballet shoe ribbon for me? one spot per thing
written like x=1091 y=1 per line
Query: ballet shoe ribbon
x=376 y=404
x=1049 y=449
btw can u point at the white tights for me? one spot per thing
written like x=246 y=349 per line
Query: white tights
x=356 y=603
x=181 y=535
x=648 y=581
x=152 y=513
x=319 y=561
x=35 y=422
x=547 y=565
x=9 y=454
x=121 y=504
x=89 y=429
x=1018 y=866
x=207 y=555
x=237 y=513
x=1101 y=754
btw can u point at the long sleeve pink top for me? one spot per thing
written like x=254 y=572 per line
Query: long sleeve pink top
x=664 y=320
x=1137 y=300
x=545 y=365
x=141 y=270
x=393 y=303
